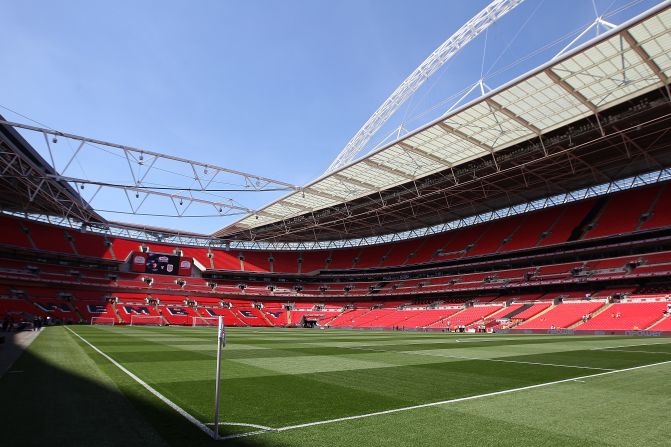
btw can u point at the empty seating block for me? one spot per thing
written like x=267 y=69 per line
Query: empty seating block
x=529 y=233
x=467 y=317
x=562 y=315
x=531 y=311
x=661 y=213
x=664 y=325
x=626 y=316
x=623 y=212
x=570 y=218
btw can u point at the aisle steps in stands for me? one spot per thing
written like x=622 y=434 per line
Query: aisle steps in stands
x=242 y=323
x=449 y=317
x=651 y=208
x=663 y=325
x=662 y=318
x=591 y=315
x=76 y=311
x=539 y=314
x=517 y=311
x=164 y=320
x=265 y=317
x=592 y=216
x=116 y=312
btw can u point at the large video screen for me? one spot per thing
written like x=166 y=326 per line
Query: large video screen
x=162 y=264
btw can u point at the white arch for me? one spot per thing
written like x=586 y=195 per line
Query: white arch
x=469 y=31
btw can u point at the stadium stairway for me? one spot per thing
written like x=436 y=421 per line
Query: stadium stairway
x=163 y=318
x=517 y=311
x=539 y=314
x=449 y=317
x=197 y=309
x=662 y=318
x=651 y=209
x=343 y=312
x=592 y=216
x=242 y=323
x=265 y=318
x=116 y=313
x=663 y=325
x=592 y=315
x=76 y=311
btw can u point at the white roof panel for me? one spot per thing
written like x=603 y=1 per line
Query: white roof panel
x=604 y=74
x=410 y=163
x=482 y=123
x=599 y=75
x=654 y=37
x=541 y=101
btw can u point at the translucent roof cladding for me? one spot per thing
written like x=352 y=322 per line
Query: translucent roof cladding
x=543 y=102
x=605 y=73
x=619 y=65
x=654 y=37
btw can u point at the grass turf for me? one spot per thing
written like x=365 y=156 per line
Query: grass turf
x=279 y=378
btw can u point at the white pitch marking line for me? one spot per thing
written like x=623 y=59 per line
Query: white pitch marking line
x=244 y=434
x=532 y=363
x=485 y=360
x=632 y=346
x=451 y=401
x=645 y=352
x=244 y=424
x=165 y=400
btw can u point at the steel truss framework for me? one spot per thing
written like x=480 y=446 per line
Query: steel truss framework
x=629 y=142
x=585 y=83
x=181 y=240
x=594 y=115
x=200 y=177
x=28 y=185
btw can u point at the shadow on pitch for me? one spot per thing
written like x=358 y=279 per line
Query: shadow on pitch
x=42 y=403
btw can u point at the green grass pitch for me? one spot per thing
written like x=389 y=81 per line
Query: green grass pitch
x=336 y=388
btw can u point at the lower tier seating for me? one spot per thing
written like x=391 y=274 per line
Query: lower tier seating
x=562 y=315
x=627 y=316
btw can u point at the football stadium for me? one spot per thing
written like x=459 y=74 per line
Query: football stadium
x=498 y=273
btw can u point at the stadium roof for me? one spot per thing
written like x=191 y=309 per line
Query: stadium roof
x=29 y=184
x=619 y=66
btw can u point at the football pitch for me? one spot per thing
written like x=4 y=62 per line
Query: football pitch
x=336 y=387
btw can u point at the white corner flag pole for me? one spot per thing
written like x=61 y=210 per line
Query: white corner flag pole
x=221 y=342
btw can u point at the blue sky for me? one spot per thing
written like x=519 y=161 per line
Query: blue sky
x=275 y=88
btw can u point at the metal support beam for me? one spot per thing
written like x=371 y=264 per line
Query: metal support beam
x=325 y=195
x=146 y=153
x=518 y=119
x=408 y=148
x=352 y=181
x=645 y=57
x=570 y=90
x=388 y=169
x=449 y=129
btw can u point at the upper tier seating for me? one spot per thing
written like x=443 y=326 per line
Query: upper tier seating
x=627 y=211
x=622 y=213
x=571 y=216
x=660 y=214
x=495 y=234
x=533 y=226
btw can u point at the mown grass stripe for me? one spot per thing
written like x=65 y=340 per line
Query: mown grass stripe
x=446 y=402
x=160 y=396
x=483 y=359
